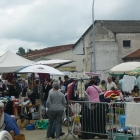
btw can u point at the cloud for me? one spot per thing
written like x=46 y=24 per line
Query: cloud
x=42 y=23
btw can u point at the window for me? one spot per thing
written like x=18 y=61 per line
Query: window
x=126 y=43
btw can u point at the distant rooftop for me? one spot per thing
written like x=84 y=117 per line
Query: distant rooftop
x=135 y=54
x=121 y=26
x=48 y=51
x=116 y=26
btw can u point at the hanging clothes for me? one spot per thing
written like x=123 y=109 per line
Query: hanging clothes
x=128 y=83
x=81 y=89
x=138 y=82
x=44 y=76
x=70 y=90
x=74 y=95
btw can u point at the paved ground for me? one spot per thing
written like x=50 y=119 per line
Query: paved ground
x=40 y=135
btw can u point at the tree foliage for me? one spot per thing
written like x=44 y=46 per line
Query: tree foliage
x=30 y=50
x=21 y=51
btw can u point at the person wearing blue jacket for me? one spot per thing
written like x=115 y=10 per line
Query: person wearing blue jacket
x=7 y=122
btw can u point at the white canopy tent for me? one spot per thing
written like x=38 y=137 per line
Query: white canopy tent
x=11 y=62
x=55 y=63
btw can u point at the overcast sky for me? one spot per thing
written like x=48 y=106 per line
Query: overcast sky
x=37 y=24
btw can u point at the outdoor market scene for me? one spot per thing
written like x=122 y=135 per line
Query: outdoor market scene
x=69 y=70
x=75 y=105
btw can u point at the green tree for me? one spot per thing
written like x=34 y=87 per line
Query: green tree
x=30 y=50
x=21 y=51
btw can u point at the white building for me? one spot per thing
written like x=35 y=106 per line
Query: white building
x=59 y=52
x=115 y=42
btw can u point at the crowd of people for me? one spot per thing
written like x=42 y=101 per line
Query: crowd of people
x=54 y=95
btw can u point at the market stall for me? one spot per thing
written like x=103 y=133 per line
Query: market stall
x=124 y=68
x=11 y=62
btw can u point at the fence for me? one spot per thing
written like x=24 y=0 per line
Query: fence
x=89 y=120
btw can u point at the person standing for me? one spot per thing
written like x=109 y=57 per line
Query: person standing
x=60 y=82
x=14 y=88
x=37 y=90
x=110 y=83
x=102 y=86
x=55 y=104
x=66 y=82
x=46 y=88
x=93 y=91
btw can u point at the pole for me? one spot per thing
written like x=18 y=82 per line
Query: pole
x=93 y=41
x=27 y=53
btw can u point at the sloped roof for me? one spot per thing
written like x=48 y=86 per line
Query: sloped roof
x=116 y=26
x=48 y=51
x=121 y=26
x=135 y=54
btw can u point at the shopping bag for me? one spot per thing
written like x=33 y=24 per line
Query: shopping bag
x=42 y=124
x=76 y=129
x=30 y=127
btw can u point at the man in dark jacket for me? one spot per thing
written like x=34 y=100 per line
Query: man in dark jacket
x=14 y=89
x=46 y=88
x=66 y=82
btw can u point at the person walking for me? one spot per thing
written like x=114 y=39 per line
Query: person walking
x=55 y=105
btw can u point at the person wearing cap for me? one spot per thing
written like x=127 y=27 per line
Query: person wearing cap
x=7 y=122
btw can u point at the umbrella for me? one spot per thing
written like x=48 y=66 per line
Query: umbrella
x=39 y=69
x=135 y=71
x=124 y=68
x=55 y=63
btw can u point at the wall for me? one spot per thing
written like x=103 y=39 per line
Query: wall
x=103 y=34
x=135 y=44
x=106 y=50
x=106 y=57
x=109 y=49
x=79 y=49
x=68 y=55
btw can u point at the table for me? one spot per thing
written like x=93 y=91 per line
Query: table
x=24 y=107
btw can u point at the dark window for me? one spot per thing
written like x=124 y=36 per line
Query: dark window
x=126 y=43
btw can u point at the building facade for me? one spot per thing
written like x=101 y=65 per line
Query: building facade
x=59 y=52
x=115 y=42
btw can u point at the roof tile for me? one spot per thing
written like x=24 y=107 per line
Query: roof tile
x=121 y=26
x=135 y=54
x=48 y=51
